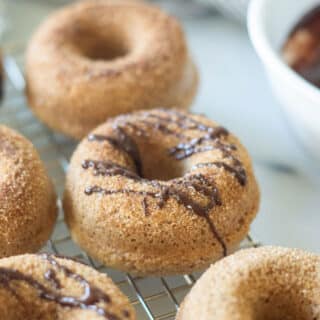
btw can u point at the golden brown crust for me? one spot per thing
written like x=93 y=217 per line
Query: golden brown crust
x=72 y=87
x=27 y=198
x=173 y=235
x=265 y=283
x=35 y=287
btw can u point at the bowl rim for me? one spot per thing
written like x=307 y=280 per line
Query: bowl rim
x=267 y=53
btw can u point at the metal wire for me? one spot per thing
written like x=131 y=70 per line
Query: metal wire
x=153 y=298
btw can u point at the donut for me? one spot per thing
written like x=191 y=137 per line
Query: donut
x=262 y=283
x=160 y=192
x=100 y=58
x=48 y=287
x=27 y=198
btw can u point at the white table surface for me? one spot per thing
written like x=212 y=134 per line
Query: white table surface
x=234 y=91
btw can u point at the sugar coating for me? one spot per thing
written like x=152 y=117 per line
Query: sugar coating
x=27 y=198
x=26 y=304
x=265 y=283
x=72 y=90
x=171 y=239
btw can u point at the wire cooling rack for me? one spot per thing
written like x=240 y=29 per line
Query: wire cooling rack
x=153 y=298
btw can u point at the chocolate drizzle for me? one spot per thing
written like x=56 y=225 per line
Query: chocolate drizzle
x=108 y=168
x=91 y=299
x=177 y=124
x=237 y=170
x=186 y=149
x=123 y=142
x=51 y=276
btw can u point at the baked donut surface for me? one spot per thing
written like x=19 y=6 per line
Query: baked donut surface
x=27 y=198
x=100 y=58
x=47 y=287
x=266 y=283
x=160 y=192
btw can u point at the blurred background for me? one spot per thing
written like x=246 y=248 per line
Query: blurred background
x=234 y=91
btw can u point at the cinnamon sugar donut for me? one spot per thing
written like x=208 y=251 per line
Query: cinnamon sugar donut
x=100 y=58
x=266 y=283
x=160 y=192
x=47 y=287
x=27 y=199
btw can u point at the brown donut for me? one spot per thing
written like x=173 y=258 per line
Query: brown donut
x=47 y=287
x=101 y=58
x=160 y=192
x=27 y=199
x=266 y=283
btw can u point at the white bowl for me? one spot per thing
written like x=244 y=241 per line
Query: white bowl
x=269 y=23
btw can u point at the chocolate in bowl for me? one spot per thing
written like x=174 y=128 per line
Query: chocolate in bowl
x=302 y=48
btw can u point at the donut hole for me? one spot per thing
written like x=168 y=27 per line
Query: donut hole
x=95 y=45
x=283 y=305
x=106 y=50
x=157 y=165
x=275 y=292
x=163 y=170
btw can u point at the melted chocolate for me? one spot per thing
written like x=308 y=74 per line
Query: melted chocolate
x=304 y=45
x=145 y=206
x=91 y=299
x=123 y=142
x=186 y=149
x=108 y=168
x=238 y=171
x=96 y=189
x=176 y=124
x=51 y=276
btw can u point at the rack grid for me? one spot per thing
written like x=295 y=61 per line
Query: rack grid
x=153 y=298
